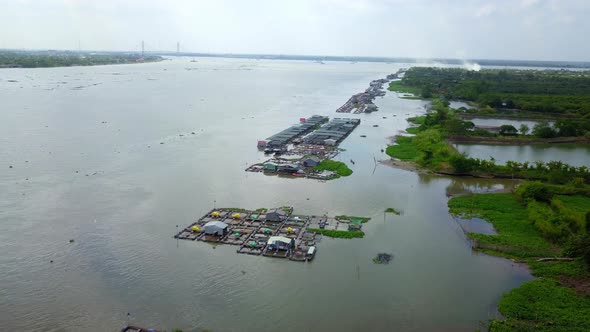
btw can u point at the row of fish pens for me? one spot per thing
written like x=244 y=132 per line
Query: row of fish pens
x=250 y=230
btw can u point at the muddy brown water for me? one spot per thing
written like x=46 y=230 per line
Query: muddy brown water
x=89 y=166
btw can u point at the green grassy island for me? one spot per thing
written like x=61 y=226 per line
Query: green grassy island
x=337 y=233
x=338 y=167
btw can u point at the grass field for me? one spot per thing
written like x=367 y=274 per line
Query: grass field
x=404 y=149
x=336 y=166
x=546 y=304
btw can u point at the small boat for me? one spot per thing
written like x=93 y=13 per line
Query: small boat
x=352 y=161
x=310 y=253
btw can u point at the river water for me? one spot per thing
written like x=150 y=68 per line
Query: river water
x=88 y=165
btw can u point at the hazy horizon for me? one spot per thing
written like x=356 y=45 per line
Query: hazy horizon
x=545 y=30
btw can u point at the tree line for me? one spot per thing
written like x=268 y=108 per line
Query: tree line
x=547 y=91
x=40 y=60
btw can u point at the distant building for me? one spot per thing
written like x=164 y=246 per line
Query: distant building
x=215 y=228
x=276 y=215
x=311 y=161
x=330 y=141
x=371 y=108
x=280 y=243
x=270 y=166
x=288 y=168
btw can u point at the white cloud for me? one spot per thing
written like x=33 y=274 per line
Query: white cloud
x=528 y=3
x=535 y=29
x=485 y=10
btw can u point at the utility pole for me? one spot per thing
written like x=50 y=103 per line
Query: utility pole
x=177 y=48
x=142 y=48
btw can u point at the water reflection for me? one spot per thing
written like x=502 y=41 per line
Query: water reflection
x=469 y=185
x=573 y=154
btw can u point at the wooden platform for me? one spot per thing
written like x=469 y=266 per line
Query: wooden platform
x=250 y=231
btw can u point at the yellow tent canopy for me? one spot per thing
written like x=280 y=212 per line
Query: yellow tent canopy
x=289 y=229
x=196 y=228
x=236 y=216
x=215 y=214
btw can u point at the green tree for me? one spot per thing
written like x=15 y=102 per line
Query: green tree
x=524 y=129
x=567 y=127
x=544 y=130
x=508 y=130
x=426 y=92
x=461 y=163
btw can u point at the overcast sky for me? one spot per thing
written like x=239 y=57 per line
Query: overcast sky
x=468 y=29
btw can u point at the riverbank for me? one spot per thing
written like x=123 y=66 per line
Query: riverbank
x=51 y=59
x=559 y=299
x=548 y=232
x=429 y=148
x=406 y=165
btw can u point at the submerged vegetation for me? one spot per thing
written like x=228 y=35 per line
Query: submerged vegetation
x=338 y=167
x=392 y=210
x=548 y=227
x=338 y=234
x=354 y=218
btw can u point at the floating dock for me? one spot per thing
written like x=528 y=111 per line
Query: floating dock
x=276 y=233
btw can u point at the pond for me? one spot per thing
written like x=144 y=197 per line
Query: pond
x=573 y=154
